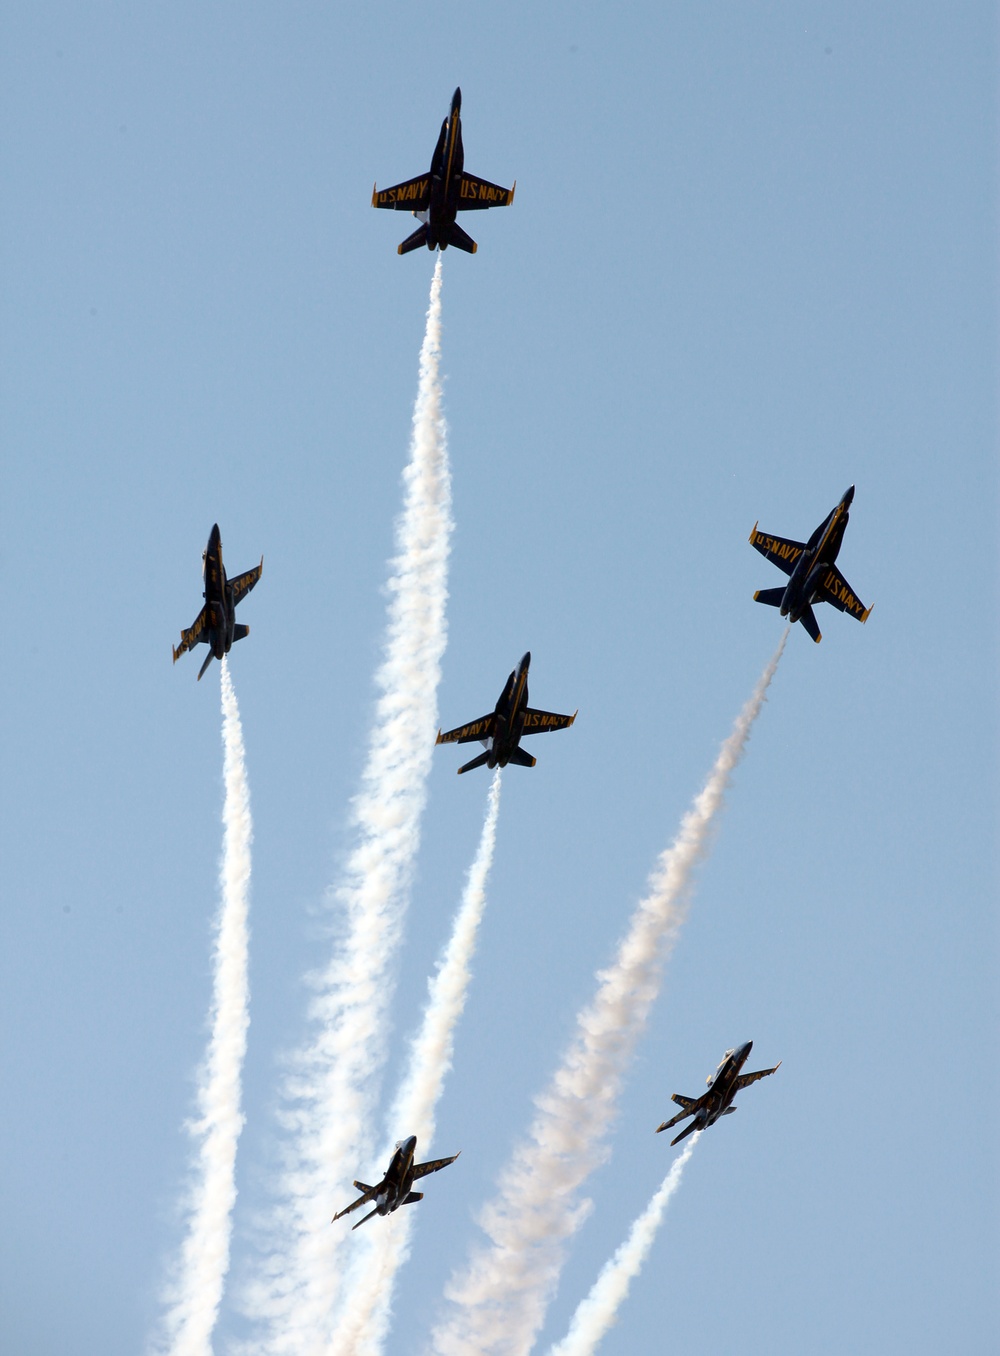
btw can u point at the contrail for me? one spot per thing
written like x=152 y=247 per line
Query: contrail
x=500 y=1298
x=363 y=1320
x=595 y=1315
x=329 y=1095
x=196 y=1291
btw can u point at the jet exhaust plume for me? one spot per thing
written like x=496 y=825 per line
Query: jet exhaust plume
x=599 y=1311
x=498 y=1301
x=330 y=1092
x=196 y=1291
x=363 y=1321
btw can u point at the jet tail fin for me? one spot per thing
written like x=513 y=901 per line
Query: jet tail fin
x=461 y=241
x=204 y=666
x=772 y=597
x=413 y=1197
x=808 y=620
x=476 y=762
x=521 y=758
x=413 y=242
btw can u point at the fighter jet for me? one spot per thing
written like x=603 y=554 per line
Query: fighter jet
x=814 y=576
x=445 y=189
x=723 y=1086
x=216 y=623
x=500 y=731
x=394 y=1188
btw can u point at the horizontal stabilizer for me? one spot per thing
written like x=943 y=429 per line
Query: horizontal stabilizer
x=461 y=241
x=772 y=597
x=413 y=1197
x=684 y=1133
x=414 y=241
x=204 y=666
x=476 y=762
x=240 y=632
x=521 y=758
x=686 y=1102
x=808 y=620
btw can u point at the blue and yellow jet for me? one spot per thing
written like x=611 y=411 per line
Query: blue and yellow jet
x=723 y=1086
x=216 y=624
x=435 y=197
x=501 y=731
x=394 y=1188
x=813 y=576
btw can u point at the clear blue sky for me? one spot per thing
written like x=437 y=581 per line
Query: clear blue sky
x=751 y=261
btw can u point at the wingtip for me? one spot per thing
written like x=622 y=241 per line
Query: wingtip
x=660 y=1127
x=754 y=532
x=375 y=194
x=866 y=614
x=574 y=716
x=439 y=740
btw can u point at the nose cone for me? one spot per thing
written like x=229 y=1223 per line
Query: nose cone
x=744 y=1050
x=848 y=497
x=456 y=100
x=409 y=1145
x=214 y=537
x=525 y=661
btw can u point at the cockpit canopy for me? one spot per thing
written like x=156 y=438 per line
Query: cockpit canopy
x=712 y=1076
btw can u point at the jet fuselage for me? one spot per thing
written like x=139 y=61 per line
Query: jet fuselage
x=722 y=1086
x=509 y=716
x=398 y=1180
x=822 y=549
x=446 y=173
x=220 y=611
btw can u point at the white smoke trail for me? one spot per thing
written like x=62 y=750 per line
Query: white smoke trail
x=501 y=1297
x=331 y=1091
x=595 y=1315
x=363 y=1321
x=196 y=1292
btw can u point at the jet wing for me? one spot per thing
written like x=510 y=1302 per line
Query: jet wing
x=368 y=1194
x=474 y=194
x=538 y=722
x=435 y=1165
x=745 y=1080
x=781 y=551
x=413 y=196
x=243 y=583
x=689 y=1104
x=191 y=637
x=465 y=734
x=836 y=590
